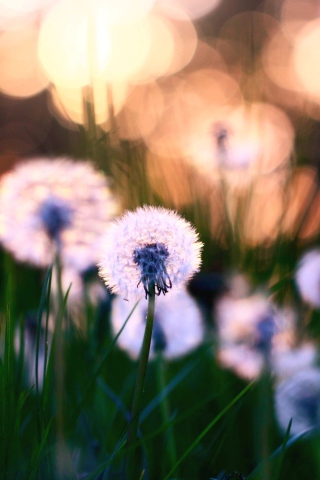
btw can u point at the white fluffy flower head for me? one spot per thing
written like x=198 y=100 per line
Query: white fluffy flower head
x=250 y=331
x=55 y=203
x=151 y=247
x=298 y=398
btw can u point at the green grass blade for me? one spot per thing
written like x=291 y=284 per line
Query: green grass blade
x=41 y=310
x=121 y=443
x=278 y=466
x=48 y=376
x=39 y=321
x=7 y=397
x=169 y=388
x=206 y=430
x=38 y=451
x=46 y=330
x=75 y=414
x=280 y=451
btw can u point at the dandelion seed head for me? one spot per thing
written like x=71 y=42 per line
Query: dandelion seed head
x=178 y=326
x=56 y=215
x=50 y=203
x=150 y=245
x=298 y=398
x=250 y=330
x=151 y=260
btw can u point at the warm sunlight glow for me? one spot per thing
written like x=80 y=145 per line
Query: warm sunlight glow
x=117 y=12
x=139 y=116
x=20 y=72
x=186 y=101
x=262 y=217
x=302 y=216
x=68 y=103
x=74 y=44
x=185 y=42
x=307 y=58
x=161 y=50
x=193 y=8
x=256 y=137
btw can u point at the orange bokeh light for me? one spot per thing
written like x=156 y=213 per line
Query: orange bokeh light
x=193 y=8
x=74 y=45
x=257 y=139
x=20 y=72
x=68 y=103
x=139 y=115
x=306 y=58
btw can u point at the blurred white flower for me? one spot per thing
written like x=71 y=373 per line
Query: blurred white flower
x=47 y=204
x=289 y=361
x=298 y=397
x=249 y=330
x=150 y=246
x=233 y=156
x=307 y=277
x=178 y=326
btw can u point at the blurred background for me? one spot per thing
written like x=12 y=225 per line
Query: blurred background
x=210 y=108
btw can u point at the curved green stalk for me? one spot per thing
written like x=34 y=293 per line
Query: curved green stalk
x=137 y=397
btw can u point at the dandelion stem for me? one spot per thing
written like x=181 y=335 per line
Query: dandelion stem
x=170 y=445
x=137 y=397
x=59 y=370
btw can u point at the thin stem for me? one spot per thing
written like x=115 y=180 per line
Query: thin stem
x=90 y=122
x=170 y=445
x=137 y=397
x=59 y=370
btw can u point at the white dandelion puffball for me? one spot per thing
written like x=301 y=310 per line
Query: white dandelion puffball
x=151 y=247
x=298 y=397
x=285 y=363
x=249 y=331
x=50 y=204
x=307 y=277
x=178 y=327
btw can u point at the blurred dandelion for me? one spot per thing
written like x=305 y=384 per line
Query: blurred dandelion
x=298 y=398
x=249 y=329
x=178 y=326
x=307 y=277
x=150 y=246
x=290 y=361
x=55 y=204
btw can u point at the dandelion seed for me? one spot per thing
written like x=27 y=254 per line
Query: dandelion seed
x=307 y=277
x=298 y=398
x=150 y=248
x=178 y=325
x=50 y=204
